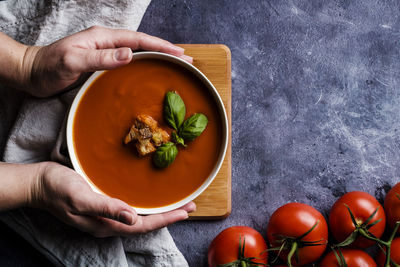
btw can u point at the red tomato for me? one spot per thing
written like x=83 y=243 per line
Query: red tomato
x=225 y=246
x=394 y=253
x=362 y=205
x=353 y=258
x=392 y=206
x=294 y=220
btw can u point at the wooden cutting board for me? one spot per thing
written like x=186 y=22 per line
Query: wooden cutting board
x=214 y=61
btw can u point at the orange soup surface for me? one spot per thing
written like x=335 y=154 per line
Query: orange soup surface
x=105 y=115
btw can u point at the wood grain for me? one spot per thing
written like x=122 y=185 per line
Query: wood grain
x=214 y=61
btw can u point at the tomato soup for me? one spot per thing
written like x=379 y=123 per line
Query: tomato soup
x=105 y=114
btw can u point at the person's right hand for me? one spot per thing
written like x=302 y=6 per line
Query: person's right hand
x=50 y=69
x=66 y=195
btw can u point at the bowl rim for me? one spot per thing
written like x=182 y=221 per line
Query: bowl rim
x=221 y=108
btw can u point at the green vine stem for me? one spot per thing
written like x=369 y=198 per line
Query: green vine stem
x=363 y=230
x=293 y=244
x=339 y=257
x=387 y=244
x=291 y=253
x=242 y=261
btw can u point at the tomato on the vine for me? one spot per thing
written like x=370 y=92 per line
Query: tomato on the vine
x=300 y=231
x=227 y=246
x=394 y=254
x=352 y=257
x=392 y=205
x=363 y=206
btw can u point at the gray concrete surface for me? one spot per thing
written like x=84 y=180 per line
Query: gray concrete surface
x=315 y=101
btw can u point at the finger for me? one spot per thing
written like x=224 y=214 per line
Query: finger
x=187 y=58
x=149 y=223
x=189 y=207
x=97 y=226
x=112 y=38
x=103 y=227
x=152 y=43
x=87 y=60
x=94 y=204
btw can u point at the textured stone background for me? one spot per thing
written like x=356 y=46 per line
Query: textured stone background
x=315 y=101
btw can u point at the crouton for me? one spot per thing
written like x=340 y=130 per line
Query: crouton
x=147 y=135
x=145 y=147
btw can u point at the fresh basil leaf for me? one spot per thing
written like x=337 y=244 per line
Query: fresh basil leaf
x=174 y=110
x=177 y=139
x=165 y=155
x=193 y=126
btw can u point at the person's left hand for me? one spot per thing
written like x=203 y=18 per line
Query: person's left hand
x=65 y=194
x=48 y=70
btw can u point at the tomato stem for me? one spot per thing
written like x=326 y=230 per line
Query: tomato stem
x=387 y=244
x=242 y=261
x=339 y=257
x=396 y=228
x=368 y=236
x=388 y=248
x=362 y=228
x=291 y=253
x=387 y=260
x=294 y=243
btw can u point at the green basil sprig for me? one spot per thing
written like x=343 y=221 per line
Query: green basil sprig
x=177 y=139
x=193 y=127
x=165 y=155
x=188 y=130
x=174 y=110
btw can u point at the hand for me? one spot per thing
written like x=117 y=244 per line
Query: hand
x=66 y=195
x=50 y=69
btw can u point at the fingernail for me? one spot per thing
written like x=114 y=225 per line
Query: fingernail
x=187 y=58
x=192 y=207
x=179 y=49
x=125 y=217
x=123 y=54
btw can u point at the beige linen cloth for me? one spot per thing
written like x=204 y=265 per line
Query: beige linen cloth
x=38 y=135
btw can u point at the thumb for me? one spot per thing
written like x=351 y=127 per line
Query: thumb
x=103 y=59
x=103 y=206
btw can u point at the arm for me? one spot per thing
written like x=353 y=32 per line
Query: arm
x=11 y=60
x=16 y=181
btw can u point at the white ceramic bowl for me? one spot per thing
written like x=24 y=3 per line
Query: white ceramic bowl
x=208 y=85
